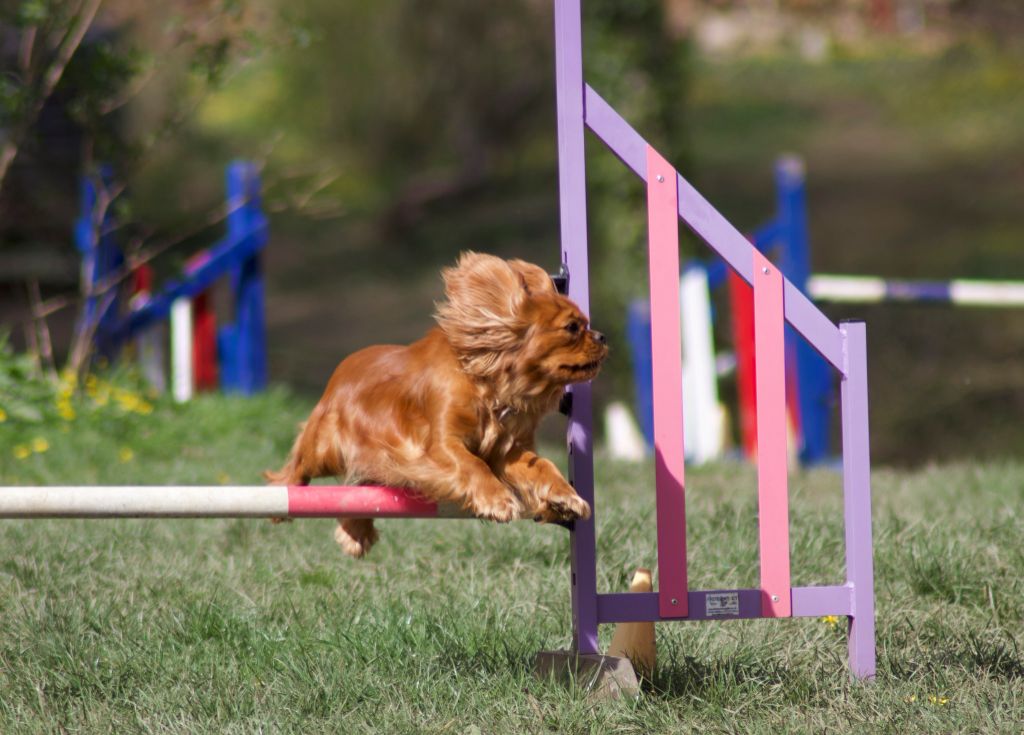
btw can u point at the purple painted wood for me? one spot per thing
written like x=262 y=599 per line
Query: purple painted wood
x=743 y=604
x=734 y=248
x=814 y=602
x=573 y=210
x=844 y=349
x=857 y=499
x=714 y=229
x=609 y=126
x=667 y=384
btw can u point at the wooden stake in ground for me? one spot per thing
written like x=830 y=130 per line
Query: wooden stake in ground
x=635 y=641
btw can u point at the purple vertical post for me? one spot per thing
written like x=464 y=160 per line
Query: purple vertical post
x=572 y=198
x=857 y=499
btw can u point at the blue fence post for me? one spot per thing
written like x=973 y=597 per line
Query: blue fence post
x=638 y=335
x=244 y=345
x=814 y=378
x=100 y=258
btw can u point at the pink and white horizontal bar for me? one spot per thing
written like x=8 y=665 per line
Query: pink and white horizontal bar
x=219 y=501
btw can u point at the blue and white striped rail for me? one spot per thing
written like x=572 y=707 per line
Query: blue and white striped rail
x=867 y=290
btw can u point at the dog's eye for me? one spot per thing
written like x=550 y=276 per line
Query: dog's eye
x=572 y=327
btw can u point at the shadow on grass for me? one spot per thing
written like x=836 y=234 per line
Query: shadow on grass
x=996 y=656
x=717 y=680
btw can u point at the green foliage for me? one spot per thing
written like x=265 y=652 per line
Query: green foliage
x=634 y=61
x=31 y=12
x=25 y=395
x=38 y=412
x=100 y=73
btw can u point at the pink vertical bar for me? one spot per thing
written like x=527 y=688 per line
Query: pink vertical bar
x=667 y=383
x=772 y=477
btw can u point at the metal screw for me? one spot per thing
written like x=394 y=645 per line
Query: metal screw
x=765 y=271
x=675 y=601
x=775 y=598
x=660 y=178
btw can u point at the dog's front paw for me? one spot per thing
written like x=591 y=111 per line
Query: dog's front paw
x=500 y=507
x=564 y=506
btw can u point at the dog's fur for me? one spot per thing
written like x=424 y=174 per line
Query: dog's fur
x=453 y=415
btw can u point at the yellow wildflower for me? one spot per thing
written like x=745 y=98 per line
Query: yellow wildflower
x=128 y=401
x=145 y=408
x=940 y=701
x=65 y=410
x=69 y=378
x=40 y=445
x=126 y=454
x=3 y=415
x=223 y=478
x=21 y=451
x=911 y=699
x=831 y=620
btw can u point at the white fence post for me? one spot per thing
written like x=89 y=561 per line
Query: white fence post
x=181 y=349
x=701 y=413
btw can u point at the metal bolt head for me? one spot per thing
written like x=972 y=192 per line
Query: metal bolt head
x=775 y=598
x=765 y=270
x=660 y=178
x=674 y=601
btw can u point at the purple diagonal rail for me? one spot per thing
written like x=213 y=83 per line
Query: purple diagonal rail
x=713 y=228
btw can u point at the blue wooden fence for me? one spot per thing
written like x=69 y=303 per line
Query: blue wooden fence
x=241 y=343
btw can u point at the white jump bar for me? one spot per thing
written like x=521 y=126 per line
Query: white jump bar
x=219 y=501
x=143 y=501
x=867 y=289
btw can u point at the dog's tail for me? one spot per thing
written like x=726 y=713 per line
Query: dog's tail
x=293 y=472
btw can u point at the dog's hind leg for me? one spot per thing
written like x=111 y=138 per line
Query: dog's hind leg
x=355 y=536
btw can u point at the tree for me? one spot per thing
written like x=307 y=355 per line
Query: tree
x=88 y=60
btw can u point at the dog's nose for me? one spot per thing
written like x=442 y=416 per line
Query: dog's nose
x=599 y=337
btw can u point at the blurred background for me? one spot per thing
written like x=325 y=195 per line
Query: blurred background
x=393 y=135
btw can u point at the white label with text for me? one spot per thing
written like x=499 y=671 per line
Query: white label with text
x=720 y=604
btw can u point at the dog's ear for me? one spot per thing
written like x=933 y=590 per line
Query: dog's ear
x=484 y=299
x=485 y=284
x=533 y=278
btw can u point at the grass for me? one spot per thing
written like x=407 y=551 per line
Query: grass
x=240 y=626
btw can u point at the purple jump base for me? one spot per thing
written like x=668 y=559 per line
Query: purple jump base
x=745 y=604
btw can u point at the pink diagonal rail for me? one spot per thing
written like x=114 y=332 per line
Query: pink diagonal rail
x=667 y=384
x=772 y=473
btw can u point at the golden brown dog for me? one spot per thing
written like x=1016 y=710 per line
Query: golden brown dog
x=453 y=415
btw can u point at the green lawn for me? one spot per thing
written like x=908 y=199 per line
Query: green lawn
x=242 y=626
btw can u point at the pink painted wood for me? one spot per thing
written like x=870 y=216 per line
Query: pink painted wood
x=319 y=501
x=667 y=368
x=772 y=473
